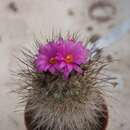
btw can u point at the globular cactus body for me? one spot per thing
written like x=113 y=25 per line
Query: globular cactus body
x=60 y=100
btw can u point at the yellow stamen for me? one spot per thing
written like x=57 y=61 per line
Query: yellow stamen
x=52 y=60
x=69 y=59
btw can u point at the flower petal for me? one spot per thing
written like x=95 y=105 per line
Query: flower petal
x=52 y=69
x=78 y=69
x=66 y=73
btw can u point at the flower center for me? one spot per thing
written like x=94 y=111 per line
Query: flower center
x=52 y=60
x=69 y=59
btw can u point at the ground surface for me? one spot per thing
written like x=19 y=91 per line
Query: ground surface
x=21 y=21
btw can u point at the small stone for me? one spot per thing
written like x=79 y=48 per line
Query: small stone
x=12 y=6
x=70 y=12
x=109 y=58
x=89 y=28
x=122 y=125
x=94 y=38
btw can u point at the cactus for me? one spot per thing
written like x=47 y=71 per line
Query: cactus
x=57 y=102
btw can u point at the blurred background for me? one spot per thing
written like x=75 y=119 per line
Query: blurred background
x=22 y=21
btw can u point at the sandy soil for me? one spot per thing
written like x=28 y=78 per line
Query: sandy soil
x=22 y=21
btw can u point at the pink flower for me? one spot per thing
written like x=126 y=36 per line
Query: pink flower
x=61 y=56
x=46 y=58
x=71 y=55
